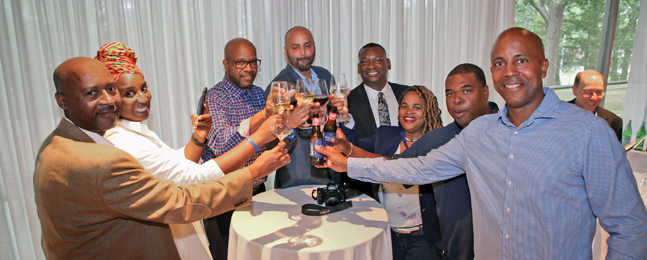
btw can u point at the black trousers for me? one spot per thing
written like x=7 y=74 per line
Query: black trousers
x=217 y=229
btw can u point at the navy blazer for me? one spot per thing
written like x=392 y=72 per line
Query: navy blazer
x=614 y=121
x=288 y=74
x=360 y=108
x=299 y=171
x=385 y=142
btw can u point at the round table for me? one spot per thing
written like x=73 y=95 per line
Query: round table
x=273 y=227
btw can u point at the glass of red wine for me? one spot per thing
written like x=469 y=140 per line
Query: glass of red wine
x=321 y=92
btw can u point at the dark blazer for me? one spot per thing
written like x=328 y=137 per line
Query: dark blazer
x=288 y=74
x=452 y=197
x=614 y=121
x=360 y=108
x=385 y=142
x=299 y=171
x=96 y=201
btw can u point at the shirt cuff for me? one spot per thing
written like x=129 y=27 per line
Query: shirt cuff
x=351 y=122
x=215 y=169
x=243 y=129
x=292 y=135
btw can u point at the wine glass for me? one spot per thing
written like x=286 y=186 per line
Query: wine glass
x=339 y=87
x=280 y=126
x=321 y=92
x=279 y=99
x=304 y=95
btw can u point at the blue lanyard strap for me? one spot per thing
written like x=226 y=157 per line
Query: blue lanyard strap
x=406 y=146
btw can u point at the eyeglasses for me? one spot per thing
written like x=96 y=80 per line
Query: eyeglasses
x=241 y=64
x=587 y=93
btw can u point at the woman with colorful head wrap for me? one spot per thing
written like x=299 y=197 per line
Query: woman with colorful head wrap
x=180 y=166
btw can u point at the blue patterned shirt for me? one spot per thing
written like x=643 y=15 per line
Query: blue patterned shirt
x=229 y=105
x=536 y=188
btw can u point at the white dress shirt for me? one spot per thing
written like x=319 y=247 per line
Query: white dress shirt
x=402 y=205
x=391 y=101
x=168 y=164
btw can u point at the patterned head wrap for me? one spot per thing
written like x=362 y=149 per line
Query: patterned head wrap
x=118 y=58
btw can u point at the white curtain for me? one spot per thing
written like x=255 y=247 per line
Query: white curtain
x=180 y=45
x=635 y=107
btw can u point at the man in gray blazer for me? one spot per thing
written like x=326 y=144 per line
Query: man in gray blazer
x=95 y=201
x=378 y=104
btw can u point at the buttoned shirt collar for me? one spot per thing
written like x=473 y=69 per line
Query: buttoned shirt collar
x=547 y=109
x=372 y=93
x=137 y=127
x=313 y=74
x=235 y=90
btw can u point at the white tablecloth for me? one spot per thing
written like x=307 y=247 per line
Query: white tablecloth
x=638 y=161
x=272 y=227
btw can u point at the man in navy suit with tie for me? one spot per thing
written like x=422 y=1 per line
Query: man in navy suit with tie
x=375 y=101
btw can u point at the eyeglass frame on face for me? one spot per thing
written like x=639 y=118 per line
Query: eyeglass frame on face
x=587 y=94
x=241 y=64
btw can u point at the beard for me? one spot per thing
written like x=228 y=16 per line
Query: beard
x=295 y=62
x=234 y=80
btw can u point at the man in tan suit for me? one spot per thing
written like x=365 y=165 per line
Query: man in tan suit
x=95 y=201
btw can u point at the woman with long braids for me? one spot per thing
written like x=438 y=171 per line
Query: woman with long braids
x=418 y=113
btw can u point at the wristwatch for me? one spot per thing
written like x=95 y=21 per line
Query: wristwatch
x=198 y=143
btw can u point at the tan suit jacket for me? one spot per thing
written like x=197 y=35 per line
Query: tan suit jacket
x=97 y=202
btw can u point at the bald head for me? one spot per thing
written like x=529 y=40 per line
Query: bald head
x=588 y=74
x=518 y=67
x=86 y=91
x=300 y=49
x=297 y=31
x=71 y=71
x=243 y=52
x=514 y=35
x=588 y=89
x=238 y=45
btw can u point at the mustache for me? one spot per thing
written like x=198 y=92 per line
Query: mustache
x=107 y=108
x=304 y=58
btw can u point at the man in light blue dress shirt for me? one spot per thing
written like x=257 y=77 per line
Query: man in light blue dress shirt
x=540 y=171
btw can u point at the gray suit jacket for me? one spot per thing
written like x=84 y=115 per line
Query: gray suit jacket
x=97 y=202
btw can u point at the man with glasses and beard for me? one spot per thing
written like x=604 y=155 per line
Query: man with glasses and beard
x=238 y=108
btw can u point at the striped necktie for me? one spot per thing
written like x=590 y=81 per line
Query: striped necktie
x=383 y=109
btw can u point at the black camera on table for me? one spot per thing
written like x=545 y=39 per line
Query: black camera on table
x=333 y=194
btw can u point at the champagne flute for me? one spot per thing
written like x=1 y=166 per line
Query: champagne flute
x=279 y=99
x=339 y=87
x=304 y=95
x=280 y=126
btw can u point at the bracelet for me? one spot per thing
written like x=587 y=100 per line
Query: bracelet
x=252 y=143
x=351 y=150
x=198 y=143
